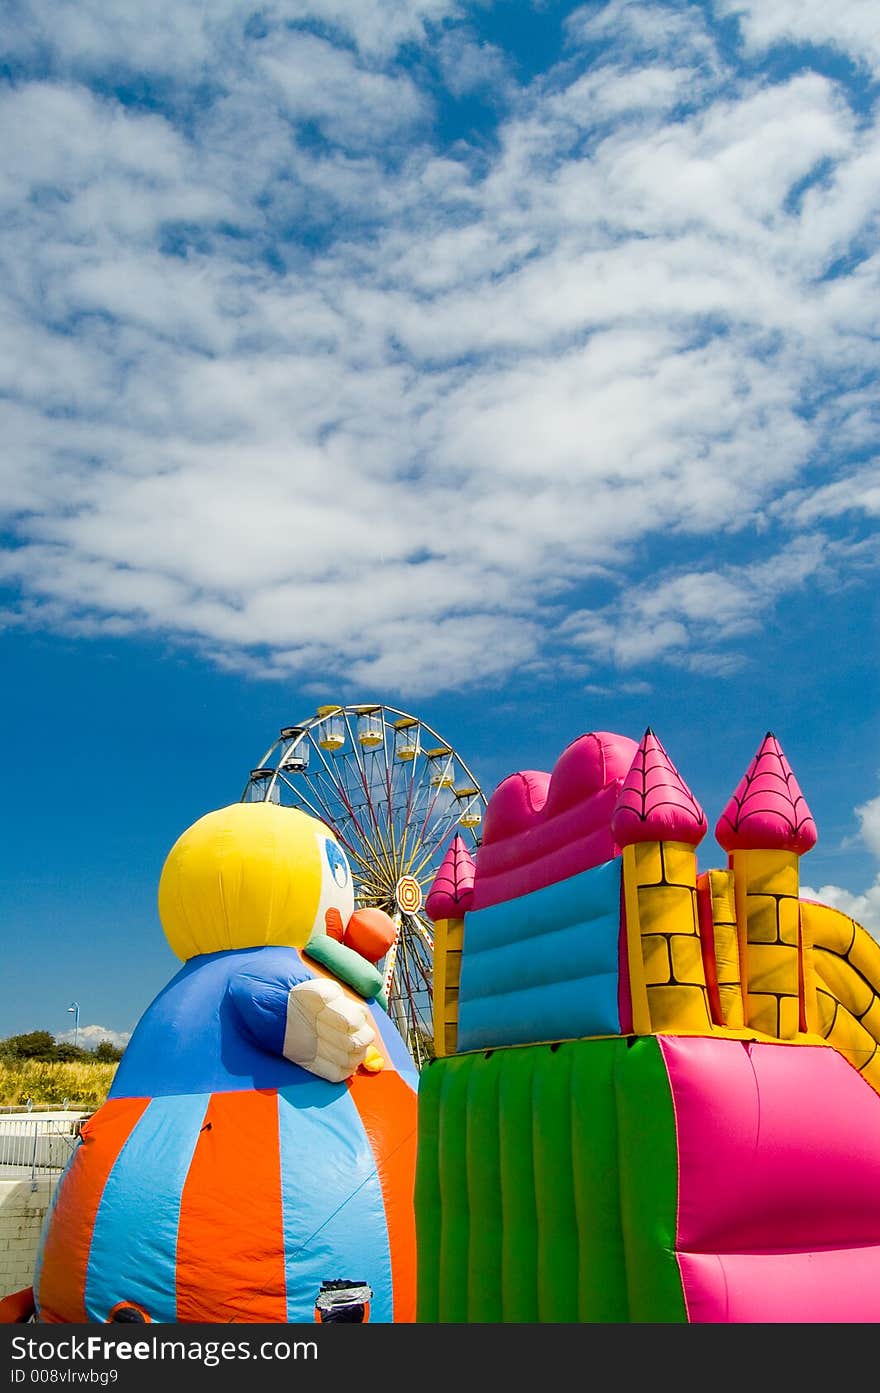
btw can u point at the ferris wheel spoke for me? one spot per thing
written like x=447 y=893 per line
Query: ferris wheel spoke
x=350 y=792
x=338 y=786
x=361 y=851
x=410 y=786
x=418 y=843
x=302 y=799
x=419 y=858
x=416 y=924
x=419 y=962
x=360 y=762
x=438 y=836
x=388 y=782
x=324 y=790
x=433 y=803
x=438 y=808
x=371 y=860
x=372 y=857
x=410 y=988
x=379 y=849
x=412 y=834
x=412 y=1002
x=421 y=949
x=336 y=816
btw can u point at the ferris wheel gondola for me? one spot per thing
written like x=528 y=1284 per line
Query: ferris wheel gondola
x=395 y=793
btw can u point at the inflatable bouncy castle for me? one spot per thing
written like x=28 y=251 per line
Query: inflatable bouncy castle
x=255 y=1158
x=656 y=1091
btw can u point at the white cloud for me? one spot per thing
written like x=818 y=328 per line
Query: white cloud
x=471 y=67
x=62 y=137
x=864 y=908
x=194 y=43
x=858 y=492
x=850 y=26
x=685 y=616
x=327 y=399
x=351 y=104
x=377 y=27
x=869 y=817
x=644 y=31
x=88 y=1037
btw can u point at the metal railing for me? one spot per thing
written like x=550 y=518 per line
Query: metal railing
x=37 y=1143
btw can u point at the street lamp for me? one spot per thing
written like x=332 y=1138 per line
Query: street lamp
x=74 y=1007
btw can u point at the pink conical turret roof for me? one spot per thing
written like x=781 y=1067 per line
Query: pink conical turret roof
x=767 y=811
x=655 y=803
x=451 y=894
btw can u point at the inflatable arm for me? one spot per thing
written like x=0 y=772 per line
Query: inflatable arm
x=315 y=1023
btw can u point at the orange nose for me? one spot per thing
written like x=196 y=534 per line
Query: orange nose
x=371 y=933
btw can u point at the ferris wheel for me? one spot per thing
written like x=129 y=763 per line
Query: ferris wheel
x=395 y=793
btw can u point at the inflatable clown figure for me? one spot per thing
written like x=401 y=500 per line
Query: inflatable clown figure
x=257 y=1148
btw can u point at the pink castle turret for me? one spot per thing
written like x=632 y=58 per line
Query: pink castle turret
x=655 y=804
x=451 y=894
x=657 y=822
x=765 y=828
x=767 y=810
x=447 y=902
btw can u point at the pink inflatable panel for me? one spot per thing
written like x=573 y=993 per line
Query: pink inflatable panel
x=779 y=1188
x=806 y=1288
x=541 y=828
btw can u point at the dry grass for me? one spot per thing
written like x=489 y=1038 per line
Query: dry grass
x=81 y=1082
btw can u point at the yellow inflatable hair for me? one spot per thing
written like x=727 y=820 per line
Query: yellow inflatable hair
x=248 y=875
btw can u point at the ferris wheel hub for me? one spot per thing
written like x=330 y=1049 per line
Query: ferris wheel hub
x=408 y=894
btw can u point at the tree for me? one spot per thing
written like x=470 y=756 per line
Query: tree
x=36 y=1044
x=41 y=1045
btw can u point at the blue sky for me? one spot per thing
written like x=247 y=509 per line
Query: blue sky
x=512 y=364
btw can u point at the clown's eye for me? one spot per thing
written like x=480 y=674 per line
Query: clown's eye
x=337 y=863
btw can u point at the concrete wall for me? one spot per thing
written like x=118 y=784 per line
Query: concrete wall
x=28 y=1140
x=22 y=1210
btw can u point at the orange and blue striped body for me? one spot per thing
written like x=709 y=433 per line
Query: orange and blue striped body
x=221 y=1183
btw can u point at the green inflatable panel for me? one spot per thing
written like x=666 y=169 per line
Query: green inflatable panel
x=546 y=1186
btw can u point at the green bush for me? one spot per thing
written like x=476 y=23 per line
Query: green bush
x=36 y=1044
x=39 y=1044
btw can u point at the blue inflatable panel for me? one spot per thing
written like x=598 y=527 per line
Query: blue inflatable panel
x=545 y=966
x=312 y=1132
x=135 y=1234
x=218 y=1026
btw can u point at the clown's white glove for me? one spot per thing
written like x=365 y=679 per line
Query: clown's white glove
x=327 y=1032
